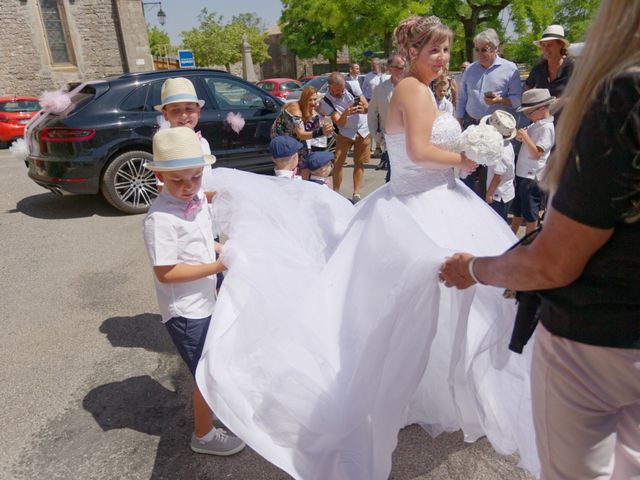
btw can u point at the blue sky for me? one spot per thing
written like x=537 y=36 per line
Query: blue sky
x=183 y=14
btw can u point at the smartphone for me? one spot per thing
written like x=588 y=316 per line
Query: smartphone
x=356 y=101
x=489 y=94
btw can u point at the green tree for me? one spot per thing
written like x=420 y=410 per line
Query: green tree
x=216 y=43
x=252 y=26
x=576 y=17
x=305 y=33
x=157 y=40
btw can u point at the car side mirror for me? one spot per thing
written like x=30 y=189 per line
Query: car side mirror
x=270 y=104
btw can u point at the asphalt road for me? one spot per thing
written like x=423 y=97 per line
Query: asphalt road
x=90 y=384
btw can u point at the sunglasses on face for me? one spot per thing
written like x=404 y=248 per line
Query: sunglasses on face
x=399 y=67
x=483 y=49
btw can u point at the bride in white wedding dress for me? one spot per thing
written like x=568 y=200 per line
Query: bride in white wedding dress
x=332 y=332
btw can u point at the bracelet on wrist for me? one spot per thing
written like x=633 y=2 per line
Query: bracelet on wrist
x=472 y=271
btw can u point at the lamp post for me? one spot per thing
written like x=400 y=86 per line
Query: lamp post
x=162 y=17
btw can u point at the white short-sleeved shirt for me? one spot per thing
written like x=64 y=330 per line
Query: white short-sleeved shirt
x=543 y=135
x=356 y=124
x=444 y=105
x=171 y=239
x=505 y=191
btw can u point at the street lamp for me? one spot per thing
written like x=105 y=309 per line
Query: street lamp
x=162 y=17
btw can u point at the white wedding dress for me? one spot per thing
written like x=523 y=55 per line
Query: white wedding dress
x=331 y=331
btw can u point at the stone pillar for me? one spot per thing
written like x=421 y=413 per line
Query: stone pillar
x=248 y=73
x=133 y=36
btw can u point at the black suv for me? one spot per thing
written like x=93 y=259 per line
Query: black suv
x=100 y=143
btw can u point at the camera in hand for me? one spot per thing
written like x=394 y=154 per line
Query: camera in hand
x=356 y=101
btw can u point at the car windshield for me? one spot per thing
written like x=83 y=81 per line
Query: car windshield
x=316 y=83
x=20 y=106
x=289 y=86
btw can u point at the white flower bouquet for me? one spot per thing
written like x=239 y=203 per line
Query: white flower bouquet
x=482 y=143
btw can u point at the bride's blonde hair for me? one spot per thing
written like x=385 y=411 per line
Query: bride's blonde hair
x=612 y=46
x=416 y=32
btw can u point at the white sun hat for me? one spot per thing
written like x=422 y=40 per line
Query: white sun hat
x=177 y=149
x=176 y=90
x=503 y=122
x=553 y=32
x=534 y=98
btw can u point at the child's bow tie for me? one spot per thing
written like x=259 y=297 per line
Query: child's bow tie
x=193 y=207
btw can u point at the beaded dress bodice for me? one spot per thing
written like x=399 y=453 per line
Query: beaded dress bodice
x=406 y=176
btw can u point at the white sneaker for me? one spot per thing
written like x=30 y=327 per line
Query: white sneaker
x=222 y=444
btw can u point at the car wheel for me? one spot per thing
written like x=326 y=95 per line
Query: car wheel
x=3 y=145
x=127 y=185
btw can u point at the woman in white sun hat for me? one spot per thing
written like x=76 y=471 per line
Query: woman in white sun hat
x=554 y=70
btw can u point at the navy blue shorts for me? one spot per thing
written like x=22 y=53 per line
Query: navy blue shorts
x=501 y=208
x=188 y=335
x=528 y=199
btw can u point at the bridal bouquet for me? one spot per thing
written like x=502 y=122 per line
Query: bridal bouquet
x=482 y=143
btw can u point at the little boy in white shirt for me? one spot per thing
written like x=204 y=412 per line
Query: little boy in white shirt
x=442 y=102
x=319 y=165
x=500 y=176
x=537 y=141
x=181 y=248
x=284 y=153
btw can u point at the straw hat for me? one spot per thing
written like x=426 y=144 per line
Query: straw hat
x=534 y=98
x=177 y=149
x=176 y=90
x=503 y=122
x=553 y=32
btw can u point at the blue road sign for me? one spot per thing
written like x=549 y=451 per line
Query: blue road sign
x=185 y=59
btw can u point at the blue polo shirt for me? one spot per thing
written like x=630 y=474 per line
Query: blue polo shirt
x=501 y=77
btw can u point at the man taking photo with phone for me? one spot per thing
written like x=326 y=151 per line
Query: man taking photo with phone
x=347 y=108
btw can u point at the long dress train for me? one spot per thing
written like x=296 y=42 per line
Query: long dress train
x=330 y=335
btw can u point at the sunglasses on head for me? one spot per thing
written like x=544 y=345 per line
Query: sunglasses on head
x=483 y=49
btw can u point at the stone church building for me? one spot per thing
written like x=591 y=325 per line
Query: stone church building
x=44 y=44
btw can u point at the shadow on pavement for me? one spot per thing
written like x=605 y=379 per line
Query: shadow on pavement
x=142 y=331
x=53 y=207
x=160 y=405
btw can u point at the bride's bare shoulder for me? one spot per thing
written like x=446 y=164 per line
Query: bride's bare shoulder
x=410 y=86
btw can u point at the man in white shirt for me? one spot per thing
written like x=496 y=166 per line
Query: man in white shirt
x=348 y=110
x=379 y=106
x=371 y=79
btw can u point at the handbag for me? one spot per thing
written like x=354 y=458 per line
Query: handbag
x=528 y=313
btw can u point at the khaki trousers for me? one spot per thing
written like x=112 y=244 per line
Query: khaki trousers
x=586 y=408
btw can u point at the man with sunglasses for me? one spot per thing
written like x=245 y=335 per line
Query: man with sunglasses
x=379 y=106
x=490 y=83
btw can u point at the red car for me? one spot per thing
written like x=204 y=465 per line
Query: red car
x=15 y=112
x=280 y=87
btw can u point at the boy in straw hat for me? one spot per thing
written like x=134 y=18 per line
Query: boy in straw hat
x=179 y=241
x=537 y=141
x=180 y=107
x=500 y=189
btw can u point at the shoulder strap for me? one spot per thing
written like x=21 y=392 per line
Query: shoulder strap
x=328 y=102
x=349 y=88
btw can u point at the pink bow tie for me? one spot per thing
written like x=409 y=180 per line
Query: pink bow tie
x=193 y=207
